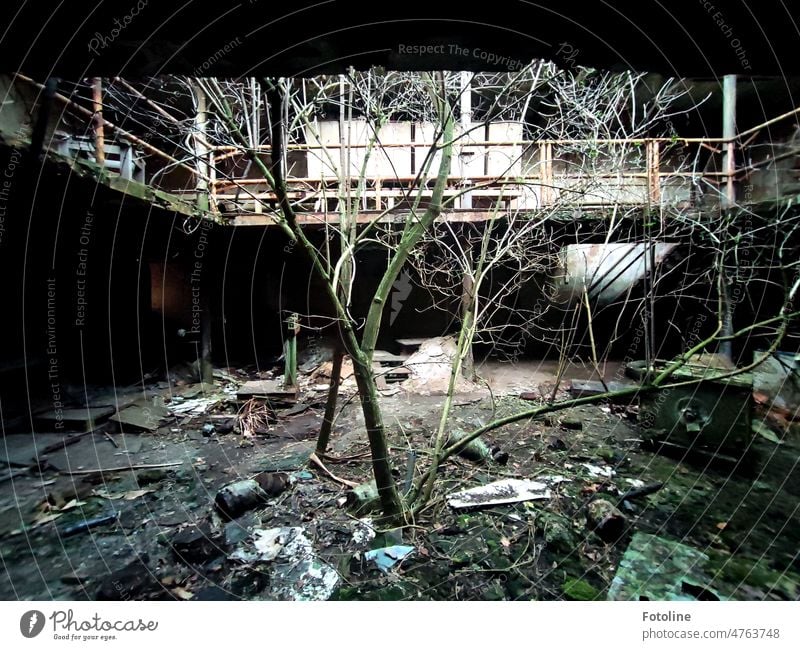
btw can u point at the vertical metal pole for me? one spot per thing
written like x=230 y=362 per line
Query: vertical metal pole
x=201 y=149
x=729 y=198
x=729 y=133
x=466 y=122
x=290 y=350
x=99 y=134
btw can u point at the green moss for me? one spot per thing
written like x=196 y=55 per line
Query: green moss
x=557 y=531
x=578 y=589
x=607 y=454
x=731 y=573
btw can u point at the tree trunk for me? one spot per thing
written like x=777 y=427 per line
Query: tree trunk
x=330 y=404
x=467 y=305
x=373 y=420
x=206 y=367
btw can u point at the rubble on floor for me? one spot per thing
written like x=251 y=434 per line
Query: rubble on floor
x=430 y=368
x=212 y=505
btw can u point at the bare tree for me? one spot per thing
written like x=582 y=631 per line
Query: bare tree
x=586 y=135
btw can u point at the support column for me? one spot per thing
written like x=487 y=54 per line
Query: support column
x=201 y=149
x=467 y=307
x=290 y=351
x=728 y=199
x=466 y=122
x=99 y=134
x=729 y=133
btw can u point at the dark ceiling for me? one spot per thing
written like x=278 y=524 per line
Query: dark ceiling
x=694 y=38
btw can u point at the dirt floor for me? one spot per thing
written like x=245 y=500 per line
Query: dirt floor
x=153 y=532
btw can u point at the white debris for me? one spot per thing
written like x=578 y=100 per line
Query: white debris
x=363 y=532
x=298 y=574
x=594 y=470
x=510 y=490
x=635 y=482
x=431 y=366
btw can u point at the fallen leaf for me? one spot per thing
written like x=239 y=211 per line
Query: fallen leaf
x=72 y=504
x=135 y=494
x=182 y=593
x=722 y=525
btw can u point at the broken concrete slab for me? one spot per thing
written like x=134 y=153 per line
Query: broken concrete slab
x=23 y=449
x=268 y=389
x=74 y=420
x=141 y=417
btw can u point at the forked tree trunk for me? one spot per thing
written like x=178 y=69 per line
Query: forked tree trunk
x=391 y=503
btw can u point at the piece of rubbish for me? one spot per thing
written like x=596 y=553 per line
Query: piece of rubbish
x=476 y=450
x=130 y=495
x=266 y=545
x=363 y=531
x=363 y=499
x=639 y=491
x=386 y=558
x=223 y=424
x=655 y=568
x=297 y=573
x=604 y=472
x=87 y=524
x=605 y=520
x=587 y=387
x=241 y=496
x=499 y=456
x=197 y=544
x=509 y=490
x=208 y=429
